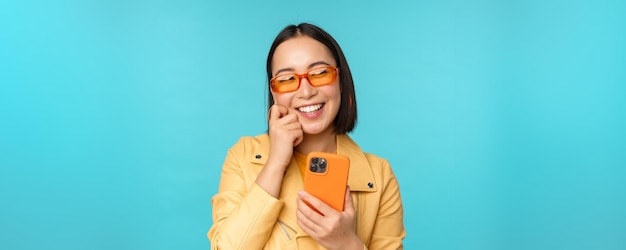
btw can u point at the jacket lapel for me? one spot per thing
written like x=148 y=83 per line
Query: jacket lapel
x=361 y=177
x=261 y=152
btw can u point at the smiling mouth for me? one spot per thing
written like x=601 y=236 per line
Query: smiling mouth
x=310 y=109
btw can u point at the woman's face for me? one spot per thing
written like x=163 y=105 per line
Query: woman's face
x=316 y=107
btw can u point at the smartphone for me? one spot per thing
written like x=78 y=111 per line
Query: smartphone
x=326 y=178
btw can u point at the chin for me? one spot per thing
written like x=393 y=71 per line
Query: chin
x=313 y=130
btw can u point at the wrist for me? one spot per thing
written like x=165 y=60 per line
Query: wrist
x=353 y=243
x=356 y=243
x=279 y=161
x=276 y=164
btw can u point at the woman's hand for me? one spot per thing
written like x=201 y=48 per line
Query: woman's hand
x=285 y=133
x=332 y=229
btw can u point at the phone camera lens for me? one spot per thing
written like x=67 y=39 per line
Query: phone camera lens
x=322 y=166
x=315 y=160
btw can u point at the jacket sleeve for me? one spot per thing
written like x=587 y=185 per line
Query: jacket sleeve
x=389 y=229
x=243 y=217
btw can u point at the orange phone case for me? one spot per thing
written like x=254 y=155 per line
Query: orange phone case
x=330 y=186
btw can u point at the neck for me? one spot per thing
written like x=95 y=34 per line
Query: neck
x=322 y=142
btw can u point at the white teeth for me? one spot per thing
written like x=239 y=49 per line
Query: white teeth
x=309 y=109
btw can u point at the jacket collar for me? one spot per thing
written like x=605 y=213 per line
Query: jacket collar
x=360 y=178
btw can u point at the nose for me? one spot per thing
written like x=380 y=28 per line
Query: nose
x=306 y=90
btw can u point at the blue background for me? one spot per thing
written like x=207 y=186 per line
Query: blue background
x=503 y=120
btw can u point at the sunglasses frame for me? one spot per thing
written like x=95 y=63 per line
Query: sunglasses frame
x=299 y=77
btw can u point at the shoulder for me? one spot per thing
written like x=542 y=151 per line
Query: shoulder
x=365 y=168
x=251 y=146
x=379 y=165
x=251 y=142
x=347 y=146
x=376 y=160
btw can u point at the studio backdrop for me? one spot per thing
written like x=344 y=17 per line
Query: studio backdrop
x=503 y=120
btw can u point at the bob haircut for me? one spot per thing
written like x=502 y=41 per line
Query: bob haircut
x=346 y=116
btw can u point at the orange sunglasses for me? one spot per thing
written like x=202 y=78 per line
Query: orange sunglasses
x=291 y=82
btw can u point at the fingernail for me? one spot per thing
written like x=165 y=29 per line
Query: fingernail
x=300 y=193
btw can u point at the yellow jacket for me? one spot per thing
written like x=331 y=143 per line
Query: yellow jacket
x=246 y=217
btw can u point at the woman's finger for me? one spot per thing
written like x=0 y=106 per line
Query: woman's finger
x=316 y=203
x=348 y=206
x=305 y=223
x=299 y=138
x=277 y=111
x=289 y=118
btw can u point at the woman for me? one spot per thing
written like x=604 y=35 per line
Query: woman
x=260 y=203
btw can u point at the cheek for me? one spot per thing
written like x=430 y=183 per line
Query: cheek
x=333 y=93
x=282 y=99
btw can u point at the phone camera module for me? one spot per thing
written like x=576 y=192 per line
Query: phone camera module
x=318 y=165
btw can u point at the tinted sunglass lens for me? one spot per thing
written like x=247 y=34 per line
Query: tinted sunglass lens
x=322 y=76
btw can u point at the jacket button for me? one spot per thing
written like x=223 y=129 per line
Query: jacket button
x=371 y=185
x=257 y=156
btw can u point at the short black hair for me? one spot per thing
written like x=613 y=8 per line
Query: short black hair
x=346 y=116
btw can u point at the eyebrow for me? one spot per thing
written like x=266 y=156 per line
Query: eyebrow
x=310 y=66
